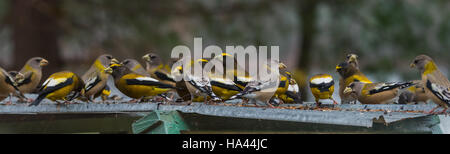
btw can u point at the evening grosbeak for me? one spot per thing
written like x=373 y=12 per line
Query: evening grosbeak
x=60 y=86
x=135 y=66
x=322 y=87
x=95 y=78
x=8 y=87
x=437 y=86
x=199 y=85
x=157 y=69
x=260 y=92
x=414 y=94
x=31 y=75
x=376 y=93
x=134 y=85
x=349 y=72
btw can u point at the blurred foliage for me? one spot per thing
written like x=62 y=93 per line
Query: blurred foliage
x=386 y=34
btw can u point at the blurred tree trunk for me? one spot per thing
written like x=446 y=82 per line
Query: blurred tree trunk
x=35 y=32
x=307 y=13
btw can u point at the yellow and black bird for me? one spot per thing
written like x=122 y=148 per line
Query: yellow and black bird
x=223 y=87
x=377 y=93
x=134 y=85
x=240 y=76
x=95 y=78
x=322 y=87
x=31 y=75
x=60 y=86
x=157 y=69
x=135 y=66
x=437 y=85
x=349 y=72
x=292 y=95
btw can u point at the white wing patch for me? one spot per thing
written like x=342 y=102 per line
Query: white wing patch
x=90 y=82
x=244 y=79
x=293 y=88
x=53 y=82
x=444 y=92
x=223 y=80
x=146 y=79
x=321 y=80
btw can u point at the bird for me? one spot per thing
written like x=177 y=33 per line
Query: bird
x=31 y=75
x=8 y=86
x=414 y=94
x=223 y=87
x=322 y=87
x=262 y=91
x=239 y=75
x=95 y=78
x=181 y=89
x=377 y=93
x=63 y=85
x=349 y=72
x=199 y=84
x=292 y=94
x=135 y=66
x=437 y=85
x=157 y=69
x=259 y=92
x=134 y=85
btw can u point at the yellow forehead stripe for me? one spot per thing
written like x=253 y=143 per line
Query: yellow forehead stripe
x=202 y=60
x=115 y=65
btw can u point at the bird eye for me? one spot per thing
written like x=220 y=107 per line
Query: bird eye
x=416 y=61
x=125 y=62
x=351 y=85
x=109 y=57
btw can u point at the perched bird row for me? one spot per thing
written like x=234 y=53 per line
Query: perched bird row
x=142 y=83
x=355 y=86
x=157 y=80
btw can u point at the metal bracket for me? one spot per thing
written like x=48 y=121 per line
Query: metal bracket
x=160 y=122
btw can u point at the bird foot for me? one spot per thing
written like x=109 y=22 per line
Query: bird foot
x=29 y=100
x=133 y=101
x=432 y=111
x=335 y=103
x=8 y=103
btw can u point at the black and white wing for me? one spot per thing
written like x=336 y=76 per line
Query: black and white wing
x=443 y=93
x=389 y=86
x=148 y=81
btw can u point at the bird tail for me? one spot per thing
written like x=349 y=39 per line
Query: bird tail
x=38 y=100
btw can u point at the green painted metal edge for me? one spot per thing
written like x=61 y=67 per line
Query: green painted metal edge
x=160 y=122
x=435 y=128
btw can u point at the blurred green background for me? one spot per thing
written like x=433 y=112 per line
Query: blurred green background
x=313 y=35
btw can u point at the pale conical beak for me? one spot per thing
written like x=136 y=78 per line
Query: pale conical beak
x=109 y=70
x=114 y=61
x=412 y=65
x=348 y=90
x=43 y=62
x=282 y=66
x=146 y=57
